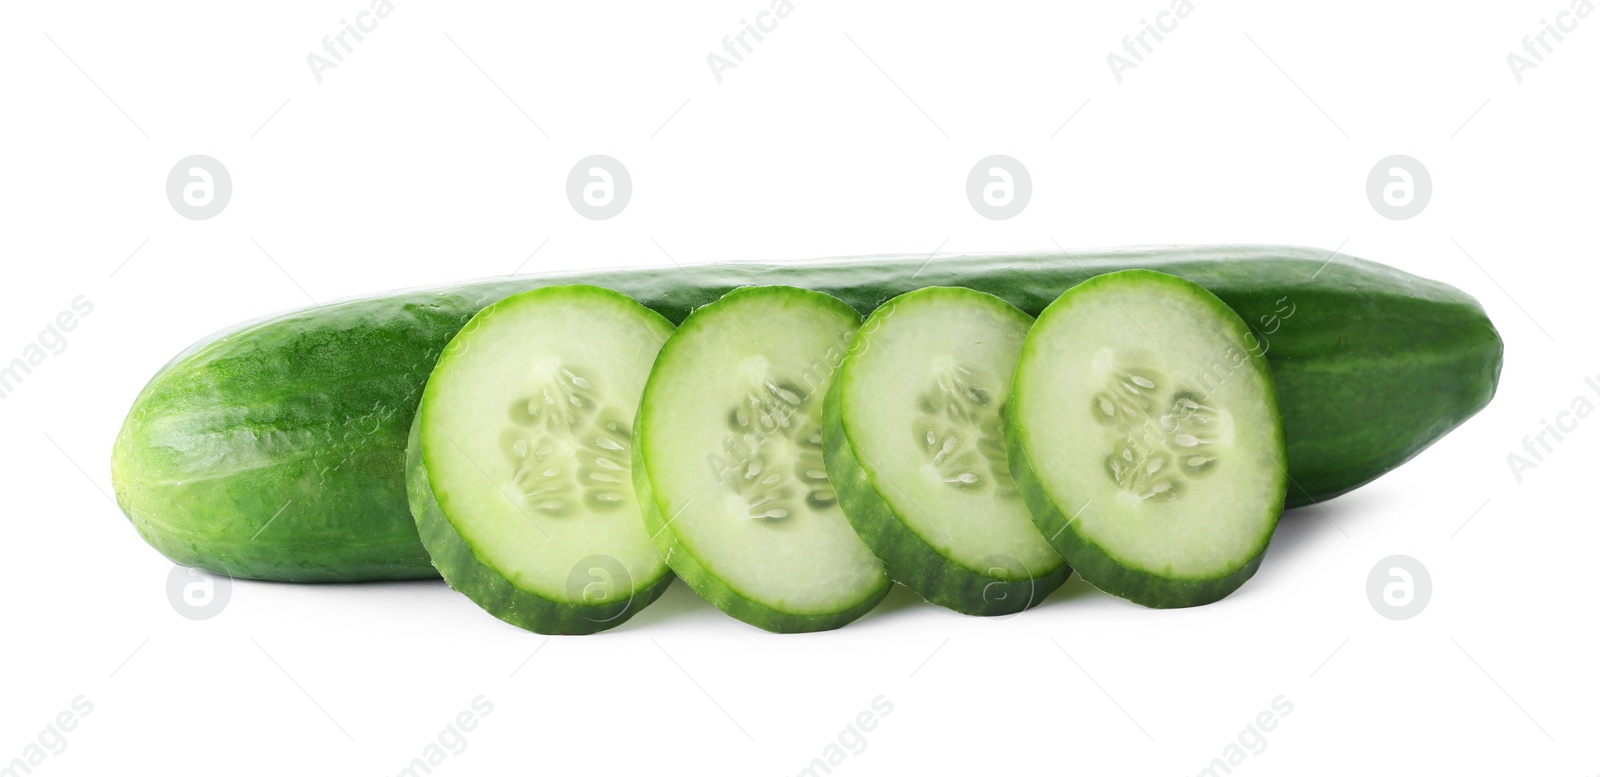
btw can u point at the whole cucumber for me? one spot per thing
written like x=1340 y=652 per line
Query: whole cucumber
x=276 y=450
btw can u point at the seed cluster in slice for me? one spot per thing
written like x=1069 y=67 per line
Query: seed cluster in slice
x=1159 y=438
x=568 y=452
x=916 y=449
x=519 y=467
x=729 y=467
x=958 y=424
x=1145 y=435
x=772 y=421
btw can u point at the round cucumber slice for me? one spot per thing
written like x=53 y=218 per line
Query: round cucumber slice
x=915 y=447
x=729 y=467
x=518 y=464
x=1144 y=433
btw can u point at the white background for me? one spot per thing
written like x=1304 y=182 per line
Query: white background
x=850 y=130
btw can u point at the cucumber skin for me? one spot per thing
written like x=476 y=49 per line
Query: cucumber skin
x=910 y=560
x=312 y=408
x=1094 y=564
x=705 y=582
x=459 y=566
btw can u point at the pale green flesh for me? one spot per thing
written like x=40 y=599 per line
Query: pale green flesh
x=525 y=431
x=921 y=406
x=732 y=438
x=1150 y=429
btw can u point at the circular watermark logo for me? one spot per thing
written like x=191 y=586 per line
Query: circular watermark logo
x=1015 y=590
x=197 y=594
x=999 y=187
x=1399 y=187
x=599 y=187
x=602 y=583
x=199 y=187
x=1399 y=587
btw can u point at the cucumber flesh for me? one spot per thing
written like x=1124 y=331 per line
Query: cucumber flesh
x=1145 y=434
x=916 y=449
x=518 y=467
x=729 y=466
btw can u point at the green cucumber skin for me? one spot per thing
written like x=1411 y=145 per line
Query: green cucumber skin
x=312 y=408
x=910 y=560
x=459 y=566
x=276 y=451
x=1094 y=564
x=712 y=588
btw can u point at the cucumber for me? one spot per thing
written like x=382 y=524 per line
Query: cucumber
x=728 y=462
x=915 y=448
x=1145 y=435
x=518 y=462
x=276 y=449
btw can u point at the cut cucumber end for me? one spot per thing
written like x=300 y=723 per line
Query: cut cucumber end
x=916 y=451
x=1145 y=436
x=518 y=462
x=729 y=467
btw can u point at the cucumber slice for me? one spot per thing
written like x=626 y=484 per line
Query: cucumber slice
x=729 y=466
x=1144 y=433
x=915 y=447
x=517 y=468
